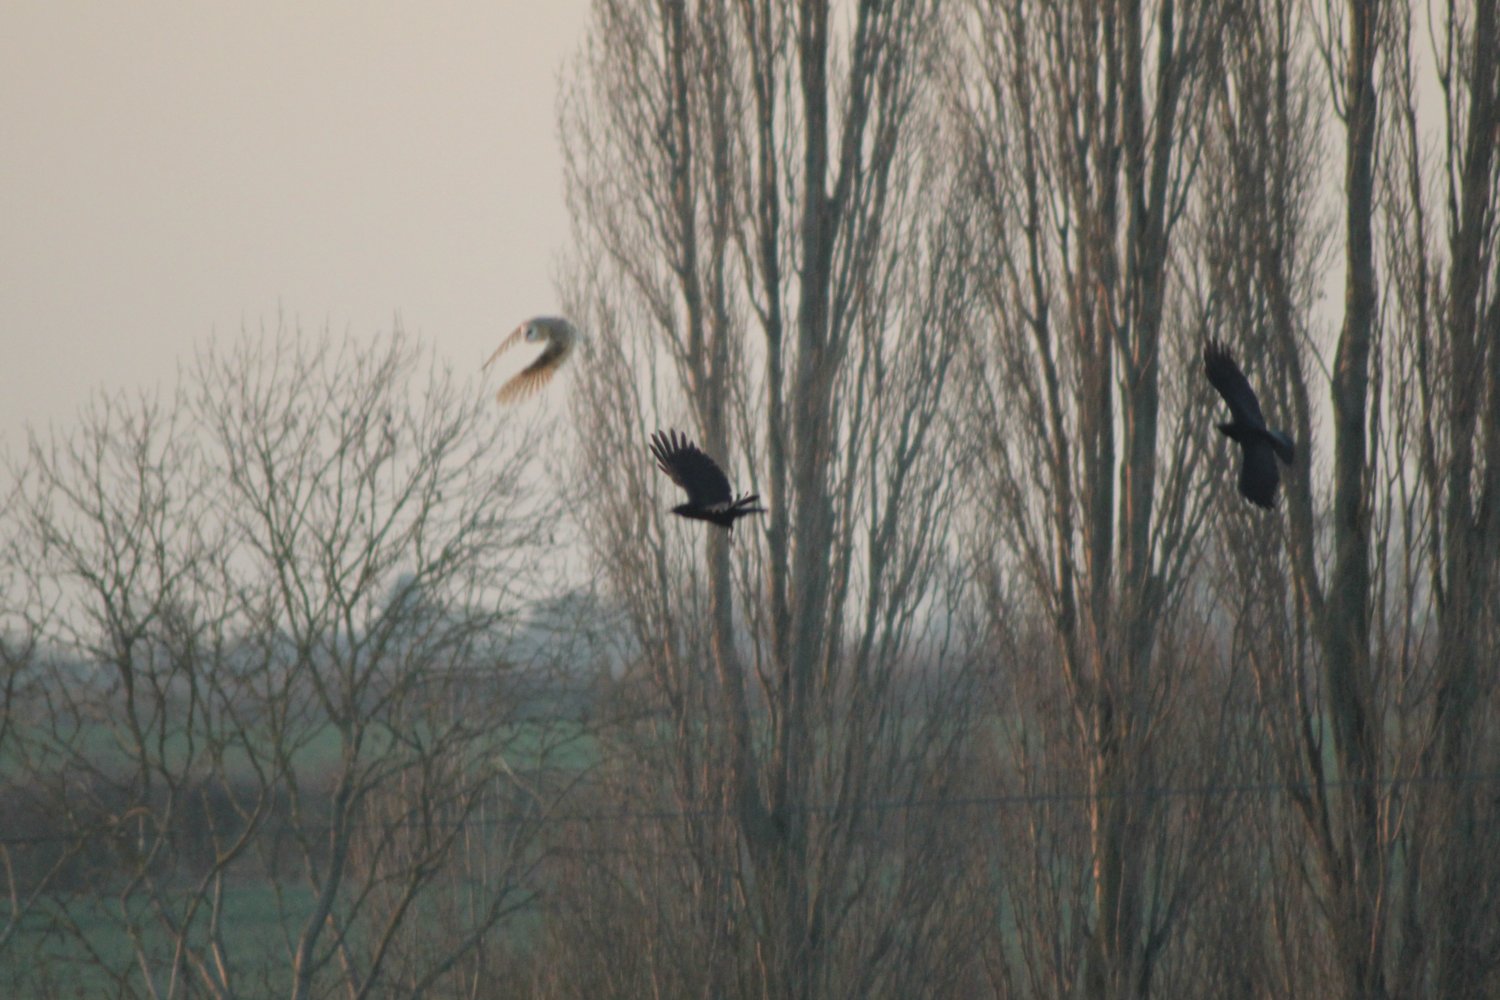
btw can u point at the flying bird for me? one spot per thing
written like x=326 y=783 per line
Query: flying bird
x=559 y=336
x=707 y=487
x=1261 y=445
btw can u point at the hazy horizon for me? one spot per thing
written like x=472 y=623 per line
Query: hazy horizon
x=174 y=173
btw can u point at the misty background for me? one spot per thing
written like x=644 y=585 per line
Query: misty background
x=325 y=676
x=173 y=171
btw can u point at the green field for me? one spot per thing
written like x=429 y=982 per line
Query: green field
x=91 y=935
x=85 y=948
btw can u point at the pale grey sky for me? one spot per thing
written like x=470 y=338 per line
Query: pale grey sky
x=172 y=170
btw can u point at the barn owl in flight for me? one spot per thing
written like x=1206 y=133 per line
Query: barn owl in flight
x=559 y=336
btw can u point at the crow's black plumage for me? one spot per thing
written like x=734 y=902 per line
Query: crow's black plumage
x=1262 y=446
x=707 y=487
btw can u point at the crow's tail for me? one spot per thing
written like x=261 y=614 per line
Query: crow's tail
x=745 y=505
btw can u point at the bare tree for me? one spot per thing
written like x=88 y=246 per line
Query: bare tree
x=1374 y=651
x=1449 y=315
x=116 y=723
x=1445 y=317
x=275 y=680
x=32 y=865
x=1316 y=666
x=774 y=265
x=1081 y=128
x=1266 y=246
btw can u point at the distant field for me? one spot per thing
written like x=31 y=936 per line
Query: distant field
x=555 y=743
x=83 y=962
x=88 y=960
x=78 y=945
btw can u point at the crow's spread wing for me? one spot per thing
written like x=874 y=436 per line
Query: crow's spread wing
x=1258 y=474
x=1232 y=385
x=695 y=472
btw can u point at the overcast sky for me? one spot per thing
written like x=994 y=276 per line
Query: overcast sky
x=169 y=171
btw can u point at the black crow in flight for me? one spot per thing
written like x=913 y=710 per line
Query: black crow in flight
x=707 y=487
x=1261 y=445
